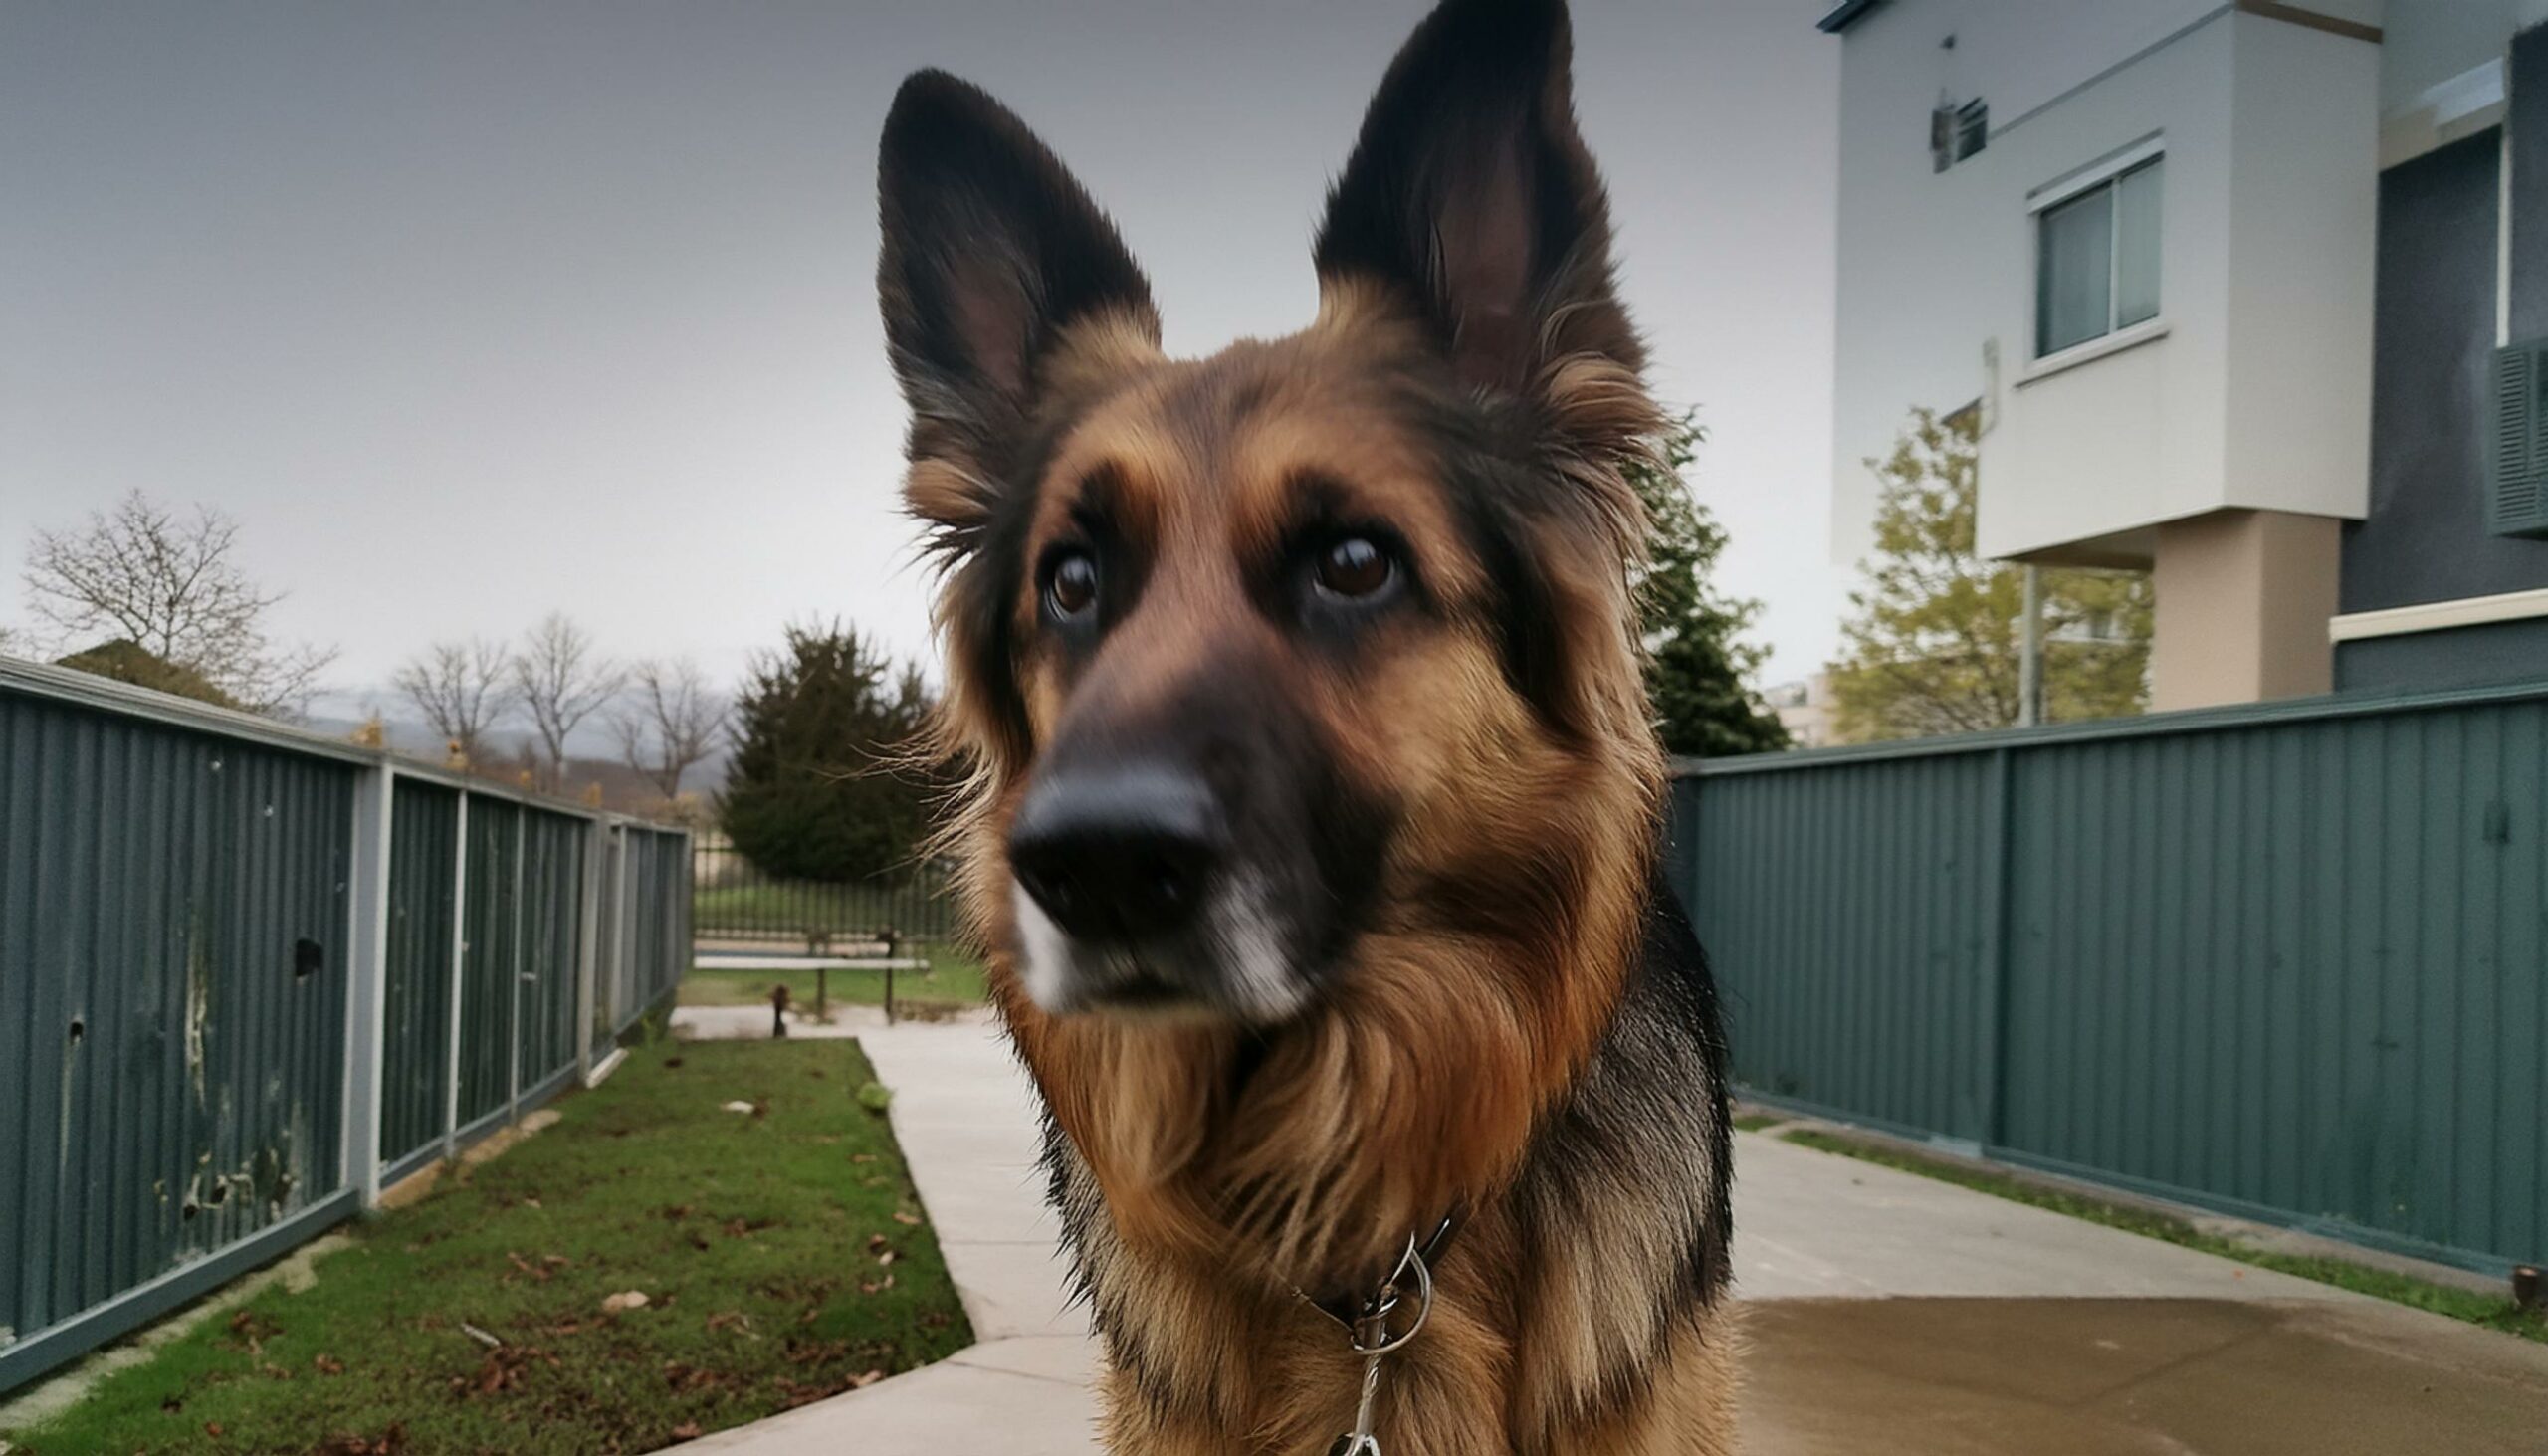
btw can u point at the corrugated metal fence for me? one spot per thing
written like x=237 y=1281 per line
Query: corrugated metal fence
x=2287 y=961
x=248 y=975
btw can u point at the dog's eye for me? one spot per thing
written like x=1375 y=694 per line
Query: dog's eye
x=1071 y=590
x=1354 y=568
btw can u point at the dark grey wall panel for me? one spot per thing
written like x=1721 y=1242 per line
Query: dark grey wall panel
x=2459 y=657
x=2425 y=538
x=2530 y=184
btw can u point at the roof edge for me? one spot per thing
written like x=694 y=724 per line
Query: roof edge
x=1842 y=13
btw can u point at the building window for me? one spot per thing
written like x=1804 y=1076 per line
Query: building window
x=2097 y=260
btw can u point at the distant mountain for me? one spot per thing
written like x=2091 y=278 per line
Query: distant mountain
x=592 y=750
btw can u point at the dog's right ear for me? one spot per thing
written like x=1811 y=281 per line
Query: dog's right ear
x=992 y=253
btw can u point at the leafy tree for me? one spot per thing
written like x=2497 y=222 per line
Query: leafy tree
x=169 y=587
x=817 y=790
x=1697 y=665
x=1936 y=640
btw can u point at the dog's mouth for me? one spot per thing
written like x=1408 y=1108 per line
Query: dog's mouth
x=1229 y=961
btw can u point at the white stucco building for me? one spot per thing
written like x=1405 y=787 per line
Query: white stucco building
x=2142 y=240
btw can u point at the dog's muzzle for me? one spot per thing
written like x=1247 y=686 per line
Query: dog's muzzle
x=1132 y=896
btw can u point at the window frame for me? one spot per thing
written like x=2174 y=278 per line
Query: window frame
x=2107 y=172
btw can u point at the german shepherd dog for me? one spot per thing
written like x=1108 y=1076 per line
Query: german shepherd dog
x=1311 y=805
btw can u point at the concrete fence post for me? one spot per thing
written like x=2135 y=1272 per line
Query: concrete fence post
x=459 y=974
x=1998 y=869
x=513 y=974
x=368 y=978
x=587 y=953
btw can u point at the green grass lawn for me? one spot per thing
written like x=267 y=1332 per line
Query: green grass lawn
x=782 y=1254
x=953 y=979
x=2495 y=1311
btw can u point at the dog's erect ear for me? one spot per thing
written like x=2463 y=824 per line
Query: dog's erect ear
x=992 y=252
x=1472 y=196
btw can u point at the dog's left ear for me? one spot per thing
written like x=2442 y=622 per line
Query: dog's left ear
x=1471 y=198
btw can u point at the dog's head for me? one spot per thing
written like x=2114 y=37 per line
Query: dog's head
x=1266 y=659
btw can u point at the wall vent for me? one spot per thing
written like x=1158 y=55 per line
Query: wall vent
x=2518 y=504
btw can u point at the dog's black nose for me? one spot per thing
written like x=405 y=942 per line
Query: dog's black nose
x=1118 y=854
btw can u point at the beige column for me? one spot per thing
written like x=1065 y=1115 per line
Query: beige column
x=2243 y=598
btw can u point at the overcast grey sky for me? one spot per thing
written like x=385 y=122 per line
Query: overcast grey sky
x=468 y=310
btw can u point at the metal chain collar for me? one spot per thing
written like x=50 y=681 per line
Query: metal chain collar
x=1370 y=1336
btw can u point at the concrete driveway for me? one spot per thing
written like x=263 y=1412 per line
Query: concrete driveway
x=1885 y=1313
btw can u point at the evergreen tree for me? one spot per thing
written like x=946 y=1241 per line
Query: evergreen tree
x=820 y=789
x=1698 y=668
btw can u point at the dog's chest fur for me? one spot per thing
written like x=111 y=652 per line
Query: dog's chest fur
x=1580 y=1311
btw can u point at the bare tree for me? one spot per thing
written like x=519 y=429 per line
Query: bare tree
x=670 y=722
x=561 y=680
x=464 y=689
x=168 y=584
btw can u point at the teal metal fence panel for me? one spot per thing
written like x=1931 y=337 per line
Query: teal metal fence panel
x=553 y=878
x=173 y=933
x=214 y=931
x=1865 y=886
x=655 y=918
x=424 y=898
x=2287 y=961
x=489 y=956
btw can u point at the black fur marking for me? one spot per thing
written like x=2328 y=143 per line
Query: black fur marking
x=1648 y=1112
x=1470 y=193
x=991 y=250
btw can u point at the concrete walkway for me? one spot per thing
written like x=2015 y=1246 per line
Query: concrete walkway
x=1884 y=1312
x=962 y=1111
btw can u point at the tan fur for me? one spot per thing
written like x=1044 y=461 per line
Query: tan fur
x=1415 y=1087
x=1216 y=1172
